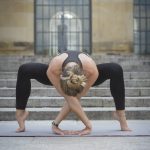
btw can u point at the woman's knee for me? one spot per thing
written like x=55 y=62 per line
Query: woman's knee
x=24 y=69
x=117 y=69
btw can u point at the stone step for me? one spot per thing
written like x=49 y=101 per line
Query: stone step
x=97 y=57
x=128 y=83
x=44 y=91
x=94 y=113
x=98 y=61
x=9 y=102
x=126 y=67
x=127 y=62
x=127 y=75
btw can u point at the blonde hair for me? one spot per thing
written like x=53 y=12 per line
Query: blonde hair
x=72 y=80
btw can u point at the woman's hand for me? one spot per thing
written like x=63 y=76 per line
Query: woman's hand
x=58 y=131
x=85 y=131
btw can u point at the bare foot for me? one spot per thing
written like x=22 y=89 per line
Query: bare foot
x=21 y=120
x=120 y=116
x=57 y=130
x=85 y=131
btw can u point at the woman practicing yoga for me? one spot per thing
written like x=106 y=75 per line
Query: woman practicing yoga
x=72 y=73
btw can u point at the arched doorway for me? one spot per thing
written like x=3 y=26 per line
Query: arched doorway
x=66 y=37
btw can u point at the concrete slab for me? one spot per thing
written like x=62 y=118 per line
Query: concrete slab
x=100 y=128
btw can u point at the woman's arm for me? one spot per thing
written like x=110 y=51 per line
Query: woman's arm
x=54 y=76
x=61 y=116
x=91 y=73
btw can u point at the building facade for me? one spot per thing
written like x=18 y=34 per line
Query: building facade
x=47 y=27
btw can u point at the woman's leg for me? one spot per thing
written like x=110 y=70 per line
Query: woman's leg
x=23 y=88
x=114 y=72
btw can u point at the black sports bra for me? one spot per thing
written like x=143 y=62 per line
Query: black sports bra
x=72 y=57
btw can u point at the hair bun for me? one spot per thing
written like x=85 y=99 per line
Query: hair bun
x=72 y=80
x=75 y=81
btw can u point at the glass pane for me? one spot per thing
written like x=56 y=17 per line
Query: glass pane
x=148 y=10
x=74 y=25
x=46 y=25
x=143 y=49
x=79 y=2
x=136 y=37
x=74 y=9
x=59 y=2
x=39 y=40
x=51 y=2
x=73 y=38
x=39 y=25
x=86 y=2
x=51 y=11
x=136 y=11
x=79 y=12
x=46 y=2
x=86 y=12
x=79 y=25
x=143 y=10
x=45 y=49
x=39 y=12
x=46 y=12
x=148 y=1
x=39 y=49
x=136 y=1
x=148 y=37
x=67 y=2
x=143 y=38
x=148 y=24
x=136 y=49
x=46 y=39
x=86 y=27
x=142 y=1
x=74 y=2
x=148 y=49
x=39 y=2
x=86 y=39
x=58 y=9
x=143 y=24
x=136 y=24
x=73 y=48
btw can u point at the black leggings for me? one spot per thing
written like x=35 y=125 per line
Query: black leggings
x=37 y=71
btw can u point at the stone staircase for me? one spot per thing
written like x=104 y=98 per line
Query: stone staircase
x=45 y=103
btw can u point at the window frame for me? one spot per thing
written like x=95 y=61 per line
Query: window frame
x=83 y=31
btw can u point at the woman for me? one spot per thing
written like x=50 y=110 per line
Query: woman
x=72 y=73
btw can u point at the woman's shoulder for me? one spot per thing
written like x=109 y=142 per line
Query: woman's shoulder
x=86 y=58
x=57 y=61
x=59 y=57
x=88 y=63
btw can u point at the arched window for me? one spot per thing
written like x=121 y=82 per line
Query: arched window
x=62 y=25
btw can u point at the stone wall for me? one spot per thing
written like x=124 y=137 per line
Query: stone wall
x=112 y=25
x=16 y=24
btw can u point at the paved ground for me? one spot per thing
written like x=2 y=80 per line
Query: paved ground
x=105 y=136
x=75 y=143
